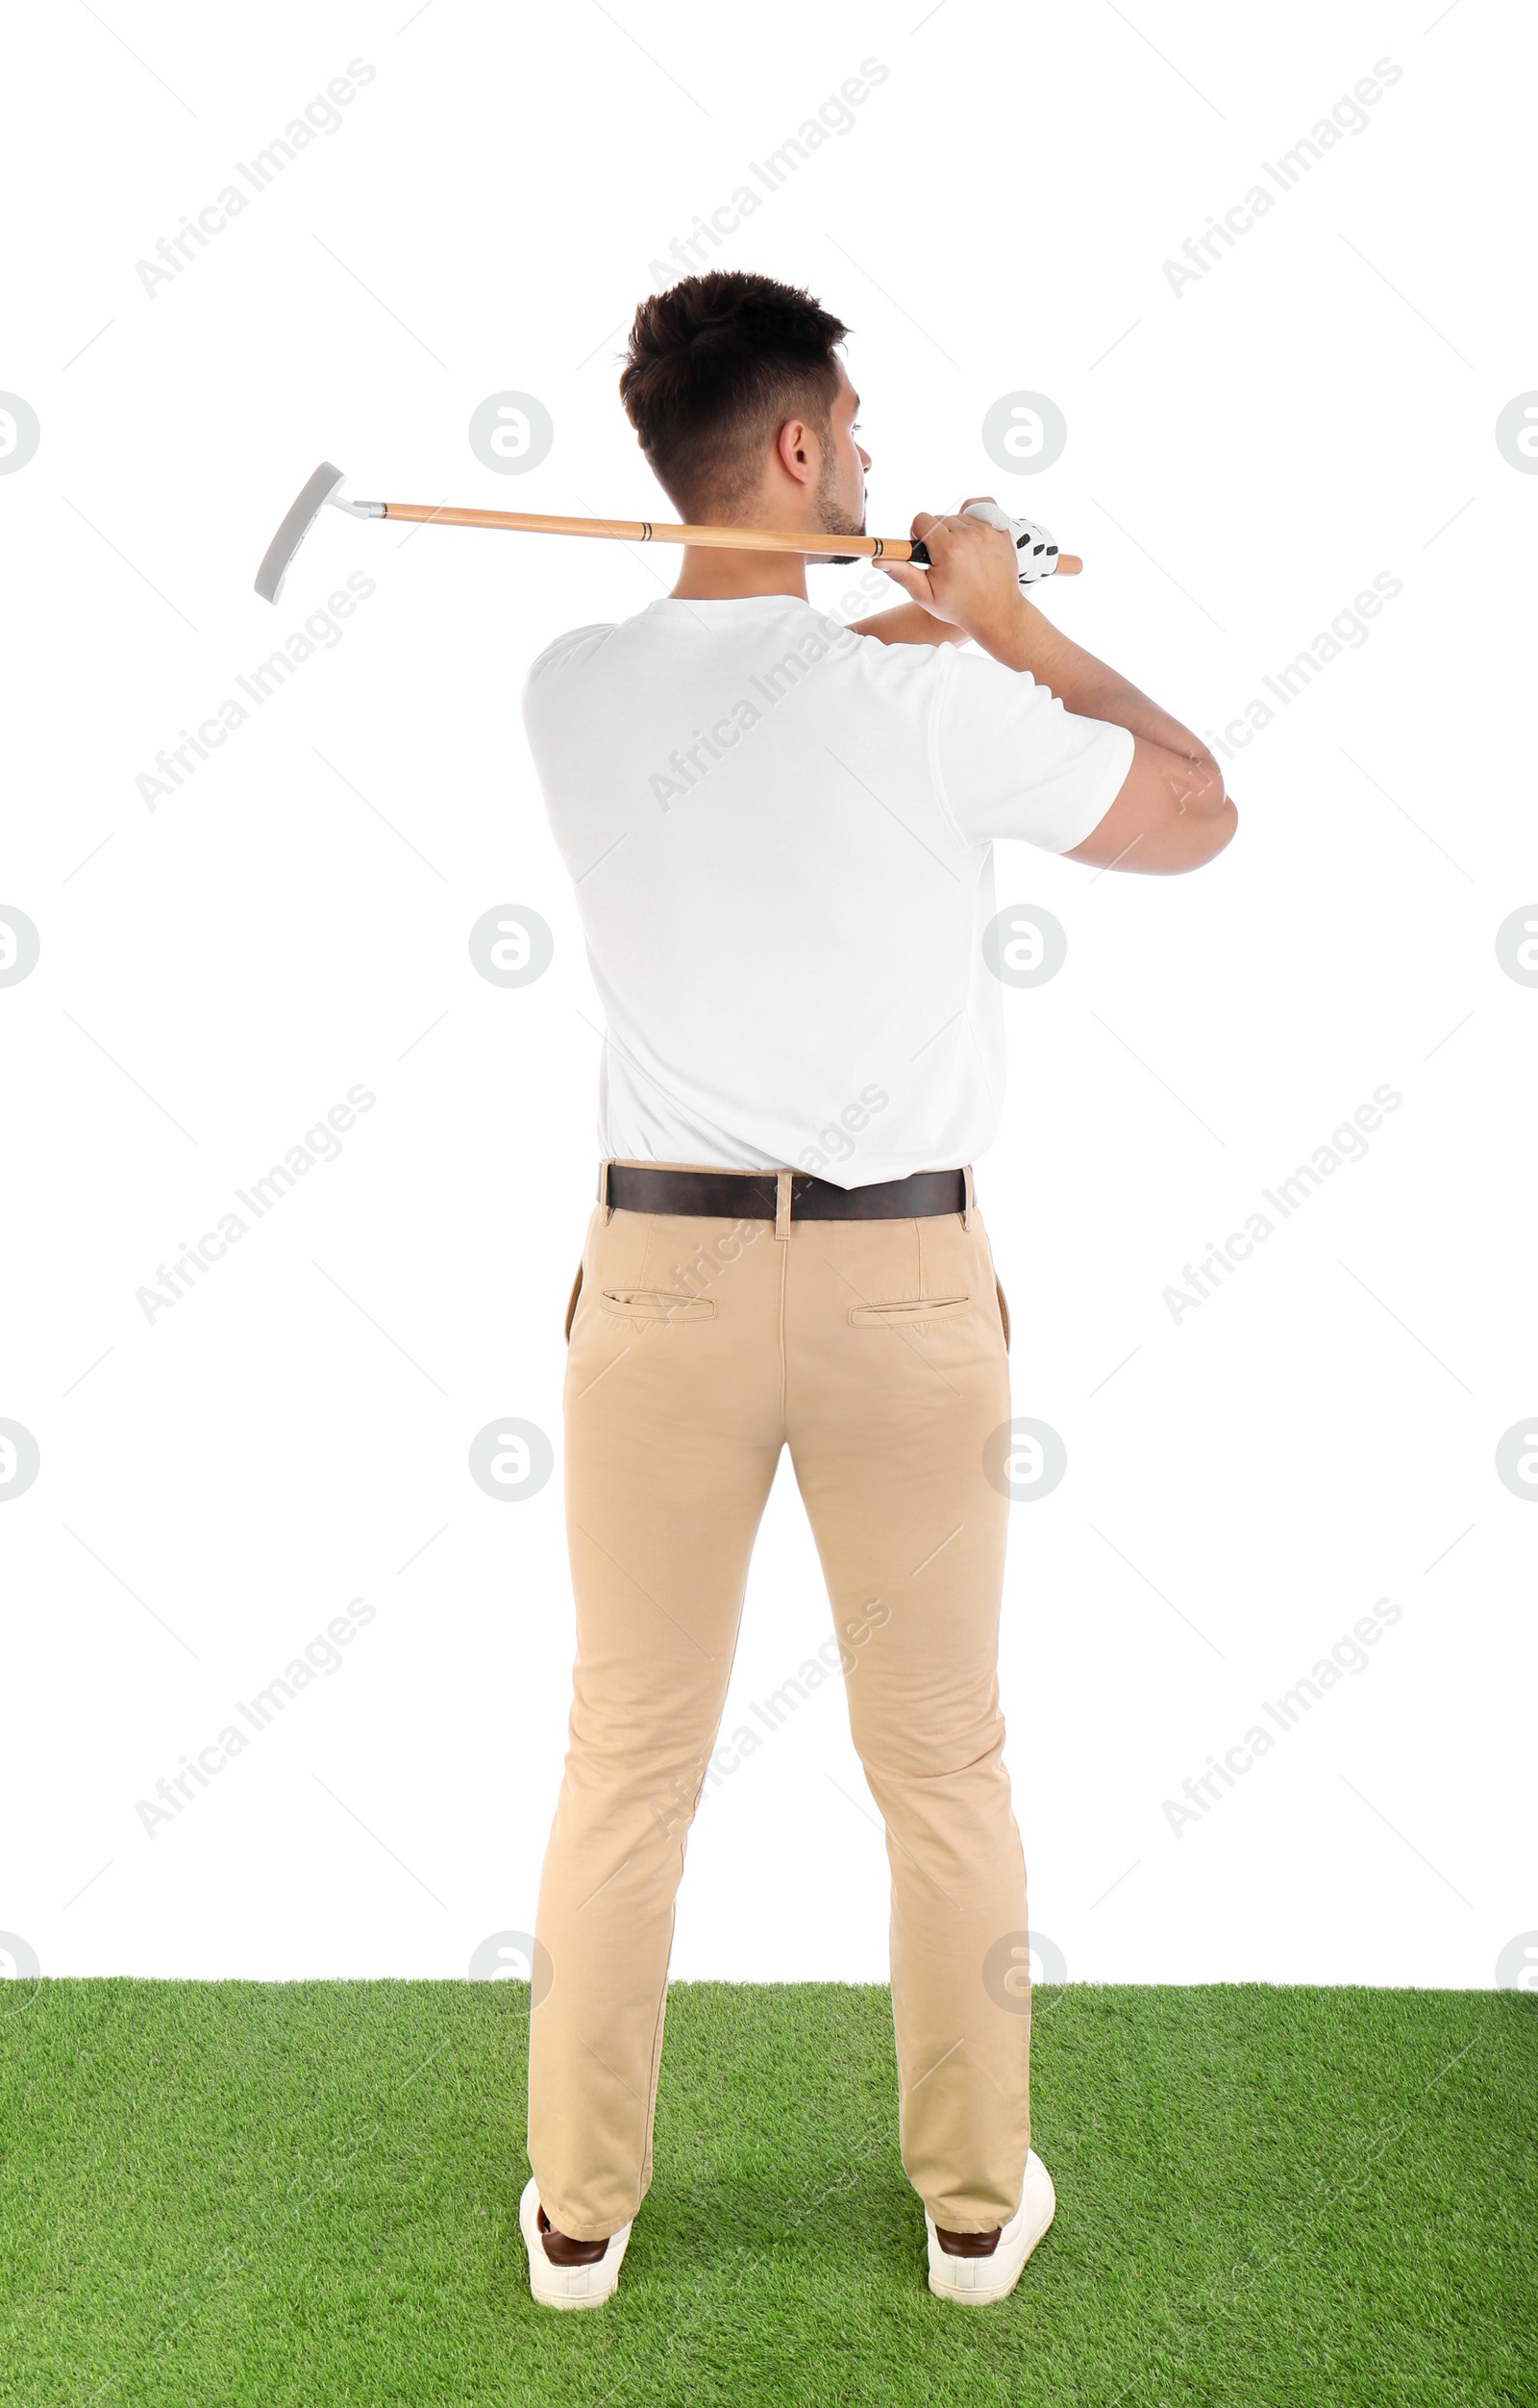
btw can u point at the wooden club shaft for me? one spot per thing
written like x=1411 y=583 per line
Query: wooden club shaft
x=654 y=530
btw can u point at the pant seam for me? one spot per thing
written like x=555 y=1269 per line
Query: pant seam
x=684 y=1850
x=646 y=1250
x=649 y=2113
x=785 y=1274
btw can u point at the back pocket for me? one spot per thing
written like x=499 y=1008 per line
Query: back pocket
x=909 y=1310
x=656 y=1303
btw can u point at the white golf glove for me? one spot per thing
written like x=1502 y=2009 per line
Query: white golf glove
x=1035 y=550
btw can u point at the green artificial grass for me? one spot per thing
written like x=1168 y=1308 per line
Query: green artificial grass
x=306 y=2191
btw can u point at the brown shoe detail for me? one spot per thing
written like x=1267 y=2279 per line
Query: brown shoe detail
x=968 y=2244
x=563 y=2250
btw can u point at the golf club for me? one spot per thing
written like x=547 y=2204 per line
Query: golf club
x=1039 y=554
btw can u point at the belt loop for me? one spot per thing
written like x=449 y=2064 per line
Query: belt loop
x=969 y=1196
x=602 y=1189
x=782 y=1204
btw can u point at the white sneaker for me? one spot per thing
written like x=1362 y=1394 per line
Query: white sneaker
x=571 y=2286
x=976 y=2282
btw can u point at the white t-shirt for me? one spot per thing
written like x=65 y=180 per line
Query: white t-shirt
x=780 y=836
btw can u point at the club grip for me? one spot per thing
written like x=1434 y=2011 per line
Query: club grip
x=1069 y=564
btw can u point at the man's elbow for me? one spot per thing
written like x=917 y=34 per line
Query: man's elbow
x=1170 y=817
x=1201 y=819
x=1213 y=834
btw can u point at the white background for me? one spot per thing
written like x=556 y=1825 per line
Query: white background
x=216 y=972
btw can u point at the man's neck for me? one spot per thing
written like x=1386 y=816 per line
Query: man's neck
x=711 y=576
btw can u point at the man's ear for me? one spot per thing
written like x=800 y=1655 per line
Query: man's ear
x=798 y=452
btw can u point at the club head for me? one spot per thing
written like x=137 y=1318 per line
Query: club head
x=280 y=552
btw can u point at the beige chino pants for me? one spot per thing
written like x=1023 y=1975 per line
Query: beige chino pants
x=876 y=1350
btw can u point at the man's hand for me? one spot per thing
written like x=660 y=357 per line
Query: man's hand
x=972 y=581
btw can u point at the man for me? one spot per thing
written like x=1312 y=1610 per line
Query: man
x=781 y=832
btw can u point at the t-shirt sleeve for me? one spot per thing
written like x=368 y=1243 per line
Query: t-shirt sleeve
x=1011 y=761
x=545 y=676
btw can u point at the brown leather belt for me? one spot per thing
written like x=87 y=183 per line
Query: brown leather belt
x=753 y=1195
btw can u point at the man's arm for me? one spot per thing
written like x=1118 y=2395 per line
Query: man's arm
x=1171 y=812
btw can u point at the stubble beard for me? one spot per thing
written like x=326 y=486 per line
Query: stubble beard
x=833 y=519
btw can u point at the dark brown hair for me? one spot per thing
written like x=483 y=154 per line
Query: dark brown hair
x=713 y=368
